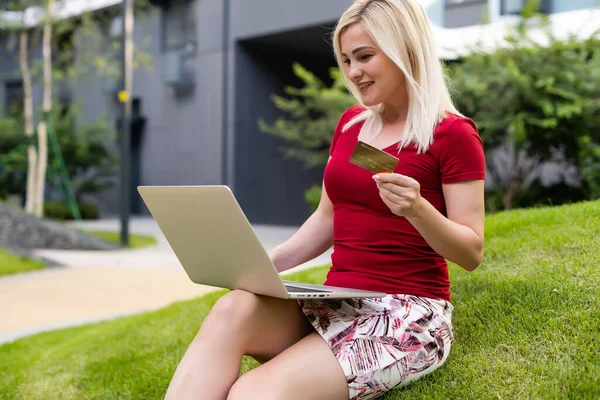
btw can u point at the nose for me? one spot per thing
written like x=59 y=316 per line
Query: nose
x=355 y=73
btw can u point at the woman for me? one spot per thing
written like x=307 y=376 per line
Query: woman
x=391 y=232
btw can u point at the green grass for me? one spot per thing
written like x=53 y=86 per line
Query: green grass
x=13 y=264
x=135 y=241
x=526 y=322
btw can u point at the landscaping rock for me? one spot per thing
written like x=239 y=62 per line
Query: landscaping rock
x=20 y=231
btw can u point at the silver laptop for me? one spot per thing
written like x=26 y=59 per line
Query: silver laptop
x=217 y=246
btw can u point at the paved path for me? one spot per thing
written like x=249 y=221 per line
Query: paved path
x=97 y=285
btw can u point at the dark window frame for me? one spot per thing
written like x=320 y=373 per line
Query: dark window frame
x=461 y=3
x=4 y=5
x=190 y=27
x=14 y=93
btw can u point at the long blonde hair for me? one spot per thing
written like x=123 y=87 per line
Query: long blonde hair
x=401 y=29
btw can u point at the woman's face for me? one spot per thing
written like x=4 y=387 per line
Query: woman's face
x=375 y=75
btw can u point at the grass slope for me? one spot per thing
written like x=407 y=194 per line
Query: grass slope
x=526 y=326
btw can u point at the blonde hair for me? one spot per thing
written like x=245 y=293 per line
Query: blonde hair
x=401 y=29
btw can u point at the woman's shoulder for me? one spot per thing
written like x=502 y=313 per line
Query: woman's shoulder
x=455 y=124
x=455 y=134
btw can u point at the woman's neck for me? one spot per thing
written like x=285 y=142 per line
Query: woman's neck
x=394 y=118
x=394 y=114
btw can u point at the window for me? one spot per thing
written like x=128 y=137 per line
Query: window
x=464 y=12
x=14 y=97
x=454 y=2
x=514 y=7
x=179 y=25
x=4 y=5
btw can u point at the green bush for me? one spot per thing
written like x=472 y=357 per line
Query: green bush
x=13 y=163
x=537 y=195
x=537 y=100
x=89 y=164
x=589 y=165
x=313 y=196
x=312 y=112
x=60 y=210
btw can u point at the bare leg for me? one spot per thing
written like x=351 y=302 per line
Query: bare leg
x=239 y=323
x=307 y=370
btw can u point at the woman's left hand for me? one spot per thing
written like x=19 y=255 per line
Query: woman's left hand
x=400 y=193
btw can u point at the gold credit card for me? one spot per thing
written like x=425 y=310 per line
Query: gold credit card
x=373 y=159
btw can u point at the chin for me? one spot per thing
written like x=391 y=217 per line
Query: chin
x=369 y=102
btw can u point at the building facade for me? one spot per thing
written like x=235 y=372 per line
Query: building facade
x=217 y=62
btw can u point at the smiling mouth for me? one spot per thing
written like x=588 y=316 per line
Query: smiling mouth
x=365 y=86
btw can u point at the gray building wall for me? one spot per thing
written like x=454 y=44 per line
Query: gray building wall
x=465 y=14
x=97 y=95
x=260 y=17
x=181 y=144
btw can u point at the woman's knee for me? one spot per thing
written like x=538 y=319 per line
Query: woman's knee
x=231 y=311
x=254 y=385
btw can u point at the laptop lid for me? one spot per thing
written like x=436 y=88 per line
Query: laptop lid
x=212 y=238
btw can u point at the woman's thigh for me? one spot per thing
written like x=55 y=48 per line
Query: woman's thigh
x=306 y=370
x=264 y=326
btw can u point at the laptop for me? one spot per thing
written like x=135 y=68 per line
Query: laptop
x=216 y=245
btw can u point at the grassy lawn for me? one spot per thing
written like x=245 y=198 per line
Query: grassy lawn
x=135 y=241
x=526 y=322
x=12 y=264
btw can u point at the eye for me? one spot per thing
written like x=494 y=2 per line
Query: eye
x=347 y=61
x=366 y=57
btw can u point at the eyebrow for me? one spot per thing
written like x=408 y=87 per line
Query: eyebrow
x=356 y=50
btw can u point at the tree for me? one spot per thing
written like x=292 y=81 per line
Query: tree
x=23 y=30
x=85 y=148
x=40 y=178
x=27 y=114
x=313 y=112
x=58 y=67
x=37 y=158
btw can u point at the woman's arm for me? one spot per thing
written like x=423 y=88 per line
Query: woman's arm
x=313 y=238
x=459 y=237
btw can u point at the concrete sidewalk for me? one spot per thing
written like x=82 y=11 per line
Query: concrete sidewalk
x=98 y=285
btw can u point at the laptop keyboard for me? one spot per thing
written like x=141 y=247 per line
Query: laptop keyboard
x=296 y=289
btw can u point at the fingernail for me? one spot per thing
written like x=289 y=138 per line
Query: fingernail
x=376 y=178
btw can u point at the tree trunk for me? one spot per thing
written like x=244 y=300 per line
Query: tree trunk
x=41 y=167
x=28 y=117
x=47 y=106
x=508 y=196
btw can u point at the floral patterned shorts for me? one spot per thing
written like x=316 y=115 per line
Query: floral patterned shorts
x=383 y=343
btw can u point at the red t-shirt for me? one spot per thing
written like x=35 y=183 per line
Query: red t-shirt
x=373 y=248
